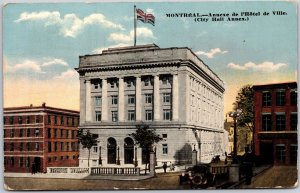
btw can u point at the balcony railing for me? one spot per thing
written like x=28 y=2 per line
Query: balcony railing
x=115 y=171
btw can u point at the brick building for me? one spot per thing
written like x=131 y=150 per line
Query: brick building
x=275 y=133
x=42 y=135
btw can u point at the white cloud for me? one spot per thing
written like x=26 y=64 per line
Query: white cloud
x=148 y=10
x=26 y=65
x=211 y=53
x=69 y=74
x=264 y=67
x=99 y=50
x=141 y=32
x=33 y=65
x=55 y=61
x=70 y=24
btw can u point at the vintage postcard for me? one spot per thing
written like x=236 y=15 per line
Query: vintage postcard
x=150 y=95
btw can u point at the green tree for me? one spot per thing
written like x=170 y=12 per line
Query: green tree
x=145 y=138
x=87 y=140
x=244 y=101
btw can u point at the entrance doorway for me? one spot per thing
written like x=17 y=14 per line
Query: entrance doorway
x=128 y=150
x=266 y=152
x=37 y=164
x=111 y=151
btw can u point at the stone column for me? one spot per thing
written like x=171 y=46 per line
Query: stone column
x=156 y=98
x=175 y=98
x=138 y=96
x=104 y=100
x=121 y=100
x=187 y=97
x=152 y=163
x=194 y=157
x=82 y=101
x=88 y=114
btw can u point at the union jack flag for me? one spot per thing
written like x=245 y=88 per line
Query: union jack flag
x=144 y=17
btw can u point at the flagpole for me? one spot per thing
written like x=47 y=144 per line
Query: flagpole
x=134 y=25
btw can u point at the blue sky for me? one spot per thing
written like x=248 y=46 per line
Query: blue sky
x=42 y=44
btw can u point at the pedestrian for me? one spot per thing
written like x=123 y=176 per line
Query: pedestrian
x=165 y=167
x=171 y=167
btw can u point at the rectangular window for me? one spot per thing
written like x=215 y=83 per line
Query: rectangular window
x=28 y=162
x=4 y=120
x=95 y=149
x=21 y=133
x=67 y=134
x=27 y=119
x=20 y=120
x=28 y=132
x=49 y=132
x=37 y=132
x=280 y=152
x=11 y=120
x=61 y=120
x=148 y=98
x=49 y=119
x=21 y=162
x=12 y=133
x=165 y=149
x=61 y=146
x=12 y=147
x=131 y=115
x=73 y=121
x=37 y=119
x=21 y=146
x=55 y=133
x=293 y=153
x=28 y=146
x=130 y=83
x=12 y=161
x=98 y=101
x=267 y=99
x=73 y=146
x=165 y=80
x=167 y=114
x=266 y=123
x=49 y=147
x=114 y=100
x=164 y=135
x=148 y=115
x=98 y=115
x=55 y=146
x=280 y=98
x=37 y=146
x=55 y=120
x=68 y=146
x=167 y=97
x=148 y=81
x=114 y=116
x=131 y=99
x=280 y=122
x=294 y=121
x=72 y=134
x=293 y=97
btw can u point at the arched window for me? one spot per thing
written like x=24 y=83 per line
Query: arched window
x=128 y=150
x=111 y=150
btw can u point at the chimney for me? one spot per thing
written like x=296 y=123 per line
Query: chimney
x=31 y=105
x=44 y=104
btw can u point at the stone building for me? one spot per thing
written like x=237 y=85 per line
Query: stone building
x=40 y=135
x=169 y=89
x=276 y=119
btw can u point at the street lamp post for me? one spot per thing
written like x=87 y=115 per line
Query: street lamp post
x=235 y=115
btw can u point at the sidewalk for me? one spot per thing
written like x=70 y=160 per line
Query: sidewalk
x=274 y=177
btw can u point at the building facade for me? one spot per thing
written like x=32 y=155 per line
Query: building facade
x=275 y=133
x=171 y=90
x=39 y=135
